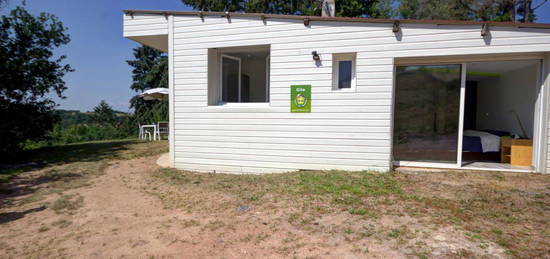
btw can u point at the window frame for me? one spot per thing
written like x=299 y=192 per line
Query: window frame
x=267 y=79
x=336 y=58
x=220 y=76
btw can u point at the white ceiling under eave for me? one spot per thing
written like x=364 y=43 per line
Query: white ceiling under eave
x=159 y=42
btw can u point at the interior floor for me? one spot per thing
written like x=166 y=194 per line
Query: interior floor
x=496 y=166
x=499 y=103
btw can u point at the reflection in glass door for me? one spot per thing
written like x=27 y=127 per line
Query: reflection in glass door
x=426 y=113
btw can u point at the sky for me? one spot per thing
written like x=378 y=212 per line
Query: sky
x=98 y=52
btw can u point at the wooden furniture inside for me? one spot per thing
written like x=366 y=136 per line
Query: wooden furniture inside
x=516 y=151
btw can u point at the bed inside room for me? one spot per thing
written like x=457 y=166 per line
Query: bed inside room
x=499 y=113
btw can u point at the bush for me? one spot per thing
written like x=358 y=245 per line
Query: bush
x=84 y=132
x=21 y=123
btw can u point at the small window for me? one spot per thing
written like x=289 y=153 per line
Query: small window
x=238 y=75
x=343 y=71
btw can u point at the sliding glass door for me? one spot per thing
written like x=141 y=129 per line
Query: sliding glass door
x=426 y=113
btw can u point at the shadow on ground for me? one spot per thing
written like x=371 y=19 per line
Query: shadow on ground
x=64 y=167
x=81 y=152
x=11 y=216
x=63 y=154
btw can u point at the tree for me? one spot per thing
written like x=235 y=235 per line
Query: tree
x=150 y=70
x=478 y=10
x=29 y=72
x=104 y=114
x=346 y=8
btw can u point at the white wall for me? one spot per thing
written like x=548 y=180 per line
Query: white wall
x=144 y=25
x=500 y=98
x=349 y=130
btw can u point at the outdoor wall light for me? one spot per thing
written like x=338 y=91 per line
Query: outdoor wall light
x=396 y=26
x=316 y=56
x=485 y=29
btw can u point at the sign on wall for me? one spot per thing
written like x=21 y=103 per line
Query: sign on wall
x=300 y=98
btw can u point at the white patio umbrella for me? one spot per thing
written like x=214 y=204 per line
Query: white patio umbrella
x=154 y=94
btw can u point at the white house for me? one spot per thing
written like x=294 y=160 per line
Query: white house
x=270 y=93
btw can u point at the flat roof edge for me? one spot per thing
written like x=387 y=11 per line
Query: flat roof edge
x=340 y=19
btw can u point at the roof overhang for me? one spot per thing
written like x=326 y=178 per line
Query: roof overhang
x=159 y=42
x=148 y=29
x=339 y=19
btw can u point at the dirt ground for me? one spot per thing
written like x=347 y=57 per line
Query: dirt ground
x=131 y=208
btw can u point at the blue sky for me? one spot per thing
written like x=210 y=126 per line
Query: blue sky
x=98 y=51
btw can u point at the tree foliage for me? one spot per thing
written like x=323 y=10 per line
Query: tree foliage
x=104 y=114
x=478 y=10
x=29 y=72
x=150 y=70
x=347 y=8
x=482 y=10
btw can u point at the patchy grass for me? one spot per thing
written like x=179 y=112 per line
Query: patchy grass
x=95 y=151
x=62 y=223
x=344 y=188
x=190 y=223
x=62 y=178
x=214 y=225
x=67 y=203
x=511 y=210
x=70 y=167
x=473 y=213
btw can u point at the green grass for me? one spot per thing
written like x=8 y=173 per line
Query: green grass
x=359 y=211
x=340 y=187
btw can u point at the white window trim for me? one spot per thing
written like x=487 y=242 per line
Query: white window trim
x=243 y=105
x=220 y=75
x=267 y=73
x=336 y=58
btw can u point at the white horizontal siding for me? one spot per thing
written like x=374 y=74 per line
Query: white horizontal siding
x=144 y=25
x=348 y=130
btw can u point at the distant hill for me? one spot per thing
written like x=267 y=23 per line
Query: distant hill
x=70 y=117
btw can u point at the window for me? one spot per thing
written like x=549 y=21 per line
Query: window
x=343 y=71
x=238 y=75
x=231 y=79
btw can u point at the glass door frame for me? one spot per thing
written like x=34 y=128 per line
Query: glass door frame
x=460 y=129
x=541 y=108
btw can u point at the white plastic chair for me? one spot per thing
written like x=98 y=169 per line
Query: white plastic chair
x=144 y=134
x=162 y=128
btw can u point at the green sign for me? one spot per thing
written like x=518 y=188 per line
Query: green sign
x=300 y=98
